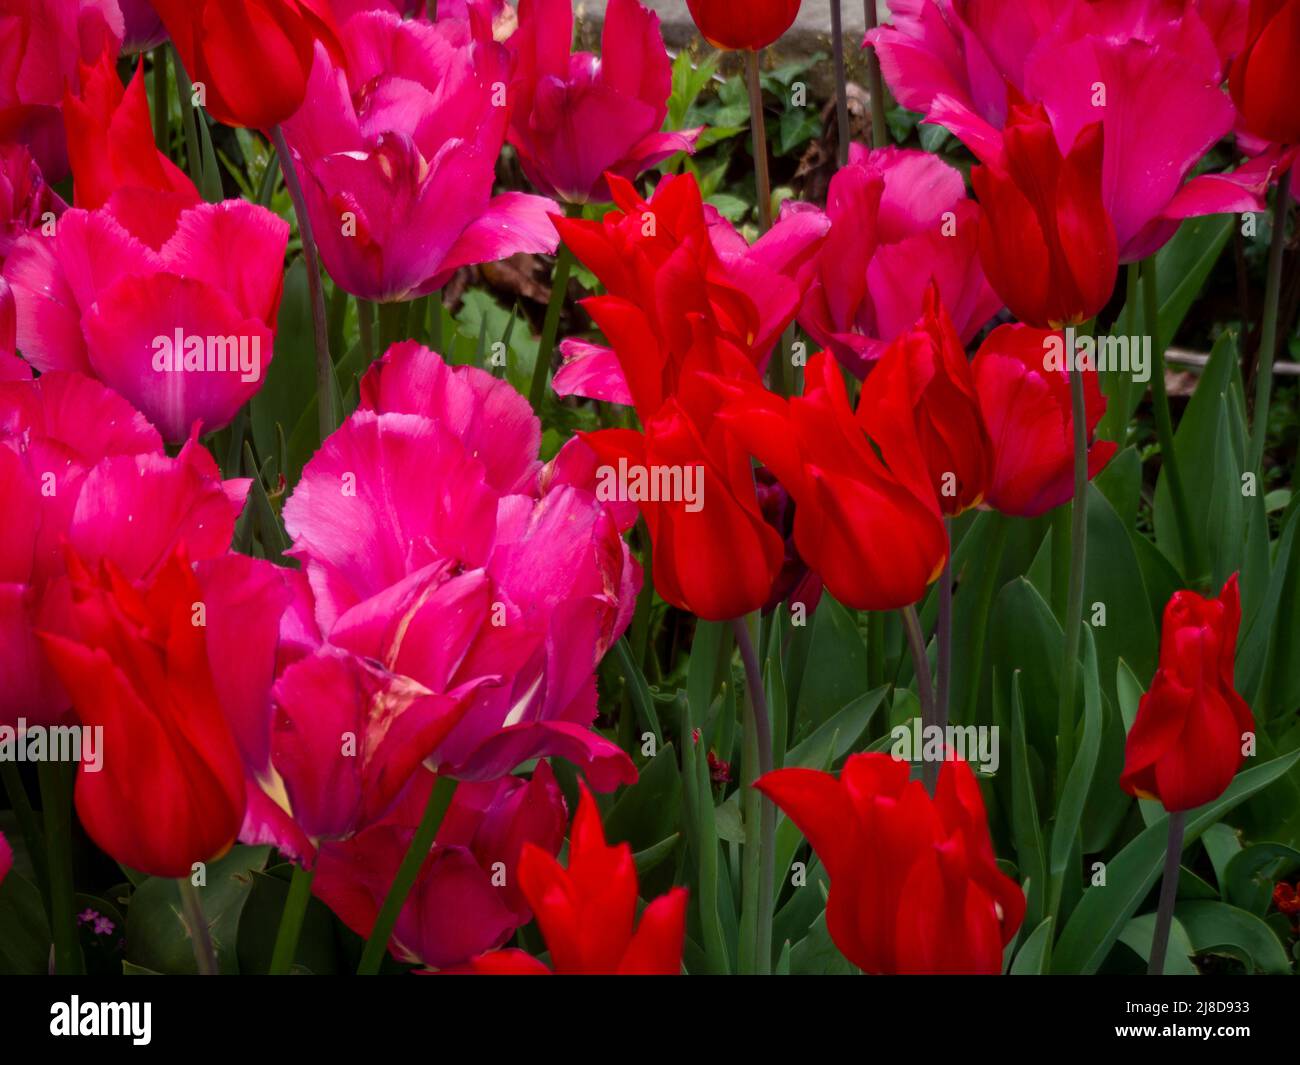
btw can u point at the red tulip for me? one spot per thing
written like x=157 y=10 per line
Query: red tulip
x=1263 y=80
x=587 y=913
x=1185 y=745
x=251 y=57
x=714 y=553
x=921 y=394
x=111 y=142
x=169 y=791
x=1047 y=243
x=1027 y=411
x=870 y=528
x=737 y=24
x=915 y=886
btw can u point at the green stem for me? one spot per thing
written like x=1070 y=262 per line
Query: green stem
x=761 y=724
x=875 y=650
x=1165 y=424
x=161 y=87
x=924 y=691
x=376 y=946
x=189 y=122
x=1268 y=328
x=841 y=86
x=205 y=954
x=366 y=329
x=875 y=85
x=1168 y=894
x=943 y=666
x=325 y=385
x=295 y=909
x=1074 y=604
x=27 y=825
x=985 y=585
x=551 y=324
x=758 y=131
x=56 y=806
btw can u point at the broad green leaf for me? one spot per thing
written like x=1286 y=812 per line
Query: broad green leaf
x=1032 y=958
x=1217 y=928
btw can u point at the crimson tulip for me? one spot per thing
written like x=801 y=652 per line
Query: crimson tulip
x=1186 y=742
x=915 y=886
x=252 y=58
x=587 y=913
x=1027 y=410
x=921 y=394
x=738 y=24
x=1263 y=79
x=869 y=525
x=1047 y=242
x=169 y=791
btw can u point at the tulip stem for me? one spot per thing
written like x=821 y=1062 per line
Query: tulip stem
x=56 y=809
x=924 y=691
x=551 y=324
x=295 y=909
x=439 y=800
x=758 y=131
x=875 y=85
x=1268 y=328
x=1168 y=894
x=205 y=954
x=943 y=667
x=1074 y=601
x=841 y=85
x=366 y=329
x=762 y=731
x=161 y=128
x=982 y=588
x=325 y=384
x=1165 y=424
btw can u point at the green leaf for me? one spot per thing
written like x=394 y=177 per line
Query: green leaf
x=1032 y=957
x=24 y=932
x=1026 y=827
x=839 y=735
x=1250 y=875
x=1217 y=928
x=836 y=672
x=259 y=921
x=291 y=378
x=1139 y=934
x=646 y=812
x=639 y=691
x=1104 y=911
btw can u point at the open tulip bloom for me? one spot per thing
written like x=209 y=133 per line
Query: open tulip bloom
x=484 y=494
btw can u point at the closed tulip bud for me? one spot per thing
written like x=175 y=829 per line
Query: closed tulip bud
x=1047 y=243
x=1263 y=80
x=737 y=24
x=915 y=886
x=1186 y=742
x=251 y=57
x=169 y=791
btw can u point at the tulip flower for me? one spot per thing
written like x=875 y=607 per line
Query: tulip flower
x=444 y=558
x=587 y=912
x=664 y=262
x=1026 y=407
x=396 y=147
x=1150 y=76
x=143 y=28
x=899 y=219
x=732 y=25
x=26 y=200
x=170 y=789
x=250 y=60
x=468 y=897
x=869 y=526
x=914 y=883
x=12 y=368
x=1186 y=742
x=575 y=117
x=1263 y=79
x=79 y=466
x=921 y=395
x=46 y=40
x=1046 y=241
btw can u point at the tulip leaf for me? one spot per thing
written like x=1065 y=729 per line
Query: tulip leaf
x=1032 y=957
x=1139 y=933
x=836 y=671
x=291 y=377
x=639 y=691
x=646 y=812
x=1026 y=827
x=838 y=736
x=24 y=932
x=259 y=921
x=701 y=830
x=1248 y=880
x=1221 y=843
x=1105 y=910
x=1217 y=928
x=1027 y=639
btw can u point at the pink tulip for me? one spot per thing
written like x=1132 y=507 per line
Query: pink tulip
x=899 y=220
x=573 y=117
x=1152 y=76
x=79 y=466
x=467 y=898
x=464 y=591
x=6 y=858
x=143 y=27
x=26 y=201
x=397 y=154
x=41 y=43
